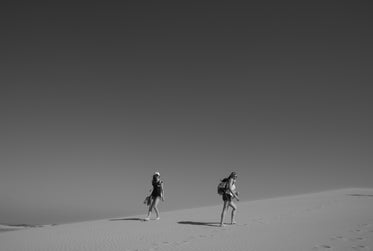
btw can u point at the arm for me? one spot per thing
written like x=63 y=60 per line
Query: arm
x=231 y=190
x=151 y=190
x=162 y=191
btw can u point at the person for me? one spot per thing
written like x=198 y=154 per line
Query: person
x=156 y=195
x=228 y=196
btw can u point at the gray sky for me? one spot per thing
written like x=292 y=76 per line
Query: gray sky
x=96 y=97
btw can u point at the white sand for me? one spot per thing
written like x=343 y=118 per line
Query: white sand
x=333 y=220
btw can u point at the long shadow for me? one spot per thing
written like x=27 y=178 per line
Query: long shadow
x=8 y=230
x=198 y=223
x=134 y=219
x=361 y=195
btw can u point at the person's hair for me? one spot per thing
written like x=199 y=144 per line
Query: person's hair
x=229 y=177
x=154 y=178
x=232 y=175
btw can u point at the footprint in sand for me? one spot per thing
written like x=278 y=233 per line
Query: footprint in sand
x=361 y=248
x=260 y=221
x=357 y=239
x=185 y=242
x=339 y=237
x=358 y=230
x=155 y=245
x=322 y=248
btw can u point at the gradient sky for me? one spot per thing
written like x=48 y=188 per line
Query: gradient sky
x=95 y=97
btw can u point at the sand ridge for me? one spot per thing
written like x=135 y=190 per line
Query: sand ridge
x=332 y=220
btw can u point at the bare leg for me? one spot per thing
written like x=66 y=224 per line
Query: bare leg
x=150 y=209
x=156 y=201
x=234 y=208
x=225 y=206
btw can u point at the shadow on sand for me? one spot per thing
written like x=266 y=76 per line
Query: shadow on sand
x=198 y=223
x=8 y=230
x=360 y=195
x=134 y=219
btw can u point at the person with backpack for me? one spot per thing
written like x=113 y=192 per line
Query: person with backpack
x=156 y=195
x=227 y=188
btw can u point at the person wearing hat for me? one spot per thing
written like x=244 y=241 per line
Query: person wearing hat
x=156 y=195
x=228 y=198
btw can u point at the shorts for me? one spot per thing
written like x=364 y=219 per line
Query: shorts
x=227 y=197
x=155 y=195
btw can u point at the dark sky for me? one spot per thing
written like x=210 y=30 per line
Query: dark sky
x=95 y=97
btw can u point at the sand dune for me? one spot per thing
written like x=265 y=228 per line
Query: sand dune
x=332 y=220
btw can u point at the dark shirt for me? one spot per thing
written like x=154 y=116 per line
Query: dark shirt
x=157 y=188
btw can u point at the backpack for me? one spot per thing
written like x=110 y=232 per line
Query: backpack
x=223 y=186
